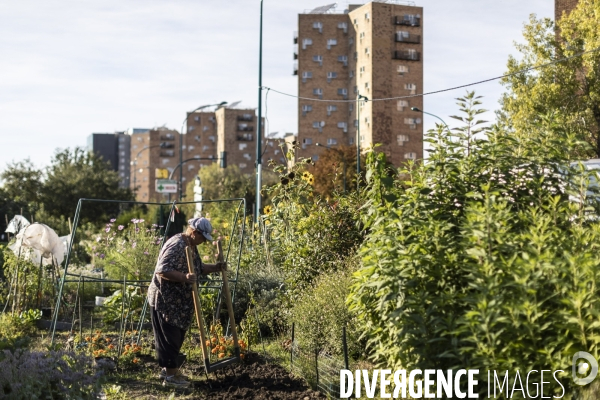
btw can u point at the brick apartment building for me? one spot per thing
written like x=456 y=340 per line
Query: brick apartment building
x=375 y=50
x=208 y=134
x=563 y=6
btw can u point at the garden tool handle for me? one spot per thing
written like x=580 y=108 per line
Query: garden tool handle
x=190 y=256
x=236 y=344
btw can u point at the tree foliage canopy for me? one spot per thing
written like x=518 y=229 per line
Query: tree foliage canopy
x=55 y=191
x=568 y=90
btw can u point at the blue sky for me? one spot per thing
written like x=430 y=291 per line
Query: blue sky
x=69 y=68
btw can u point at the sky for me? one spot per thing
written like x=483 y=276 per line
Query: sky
x=71 y=68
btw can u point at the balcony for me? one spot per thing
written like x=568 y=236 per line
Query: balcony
x=167 y=145
x=168 y=136
x=407 y=55
x=167 y=153
x=408 y=38
x=246 y=137
x=408 y=20
x=245 y=128
x=244 y=117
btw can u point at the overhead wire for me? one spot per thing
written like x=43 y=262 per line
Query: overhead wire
x=442 y=90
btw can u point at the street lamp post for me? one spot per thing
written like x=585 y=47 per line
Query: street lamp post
x=343 y=160
x=416 y=109
x=358 y=99
x=259 y=124
x=181 y=140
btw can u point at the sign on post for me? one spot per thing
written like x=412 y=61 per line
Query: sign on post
x=166 y=186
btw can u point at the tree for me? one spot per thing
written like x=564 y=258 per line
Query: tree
x=75 y=174
x=22 y=181
x=329 y=170
x=563 y=97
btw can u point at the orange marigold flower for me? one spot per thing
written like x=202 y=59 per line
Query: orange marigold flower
x=87 y=339
x=98 y=332
x=108 y=339
x=208 y=342
x=221 y=355
x=241 y=356
x=214 y=339
x=214 y=351
x=127 y=347
x=136 y=360
x=111 y=346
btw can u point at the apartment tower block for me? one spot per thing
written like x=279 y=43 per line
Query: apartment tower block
x=373 y=50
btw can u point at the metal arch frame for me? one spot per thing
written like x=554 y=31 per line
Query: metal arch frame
x=63 y=280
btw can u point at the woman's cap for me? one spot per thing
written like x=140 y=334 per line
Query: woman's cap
x=202 y=225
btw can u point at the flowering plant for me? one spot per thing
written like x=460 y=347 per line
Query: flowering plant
x=221 y=346
x=129 y=251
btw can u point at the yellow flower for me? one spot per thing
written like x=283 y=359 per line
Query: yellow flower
x=267 y=222
x=225 y=224
x=268 y=210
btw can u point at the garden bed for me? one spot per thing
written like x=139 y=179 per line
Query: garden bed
x=254 y=378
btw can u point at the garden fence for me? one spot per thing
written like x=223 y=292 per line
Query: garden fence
x=321 y=370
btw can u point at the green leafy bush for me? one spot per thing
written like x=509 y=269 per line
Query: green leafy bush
x=478 y=258
x=307 y=235
x=54 y=375
x=129 y=251
x=320 y=315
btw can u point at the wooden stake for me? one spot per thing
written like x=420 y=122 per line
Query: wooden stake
x=225 y=280
x=197 y=307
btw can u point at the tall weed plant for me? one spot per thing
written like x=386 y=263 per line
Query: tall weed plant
x=483 y=256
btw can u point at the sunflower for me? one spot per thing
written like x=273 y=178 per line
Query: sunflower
x=268 y=210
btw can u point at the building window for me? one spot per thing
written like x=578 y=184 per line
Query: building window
x=318 y=92
x=401 y=139
x=342 y=92
x=165 y=161
x=319 y=26
x=242 y=146
x=411 y=86
x=344 y=26
x=402 y=104
x=242 y=165
x=331 y=108
x=343 y=125
x=197 y=138
x=318 y=125
x=306 y=75
x=306 y=42
x=331 y=141
x=247 y=156
x=402 y=69
x=212 y=138
x=197 y=118
x=330 y=43
x=330 y=76
x=367 y=50
x=367 y=16
x=306 y=108
x=190 y=128
x=362 y=138
x=318 y=59
x=343 y=59
x=190 y=147
x=351 y=140
x=410 y=156
x=351 y=74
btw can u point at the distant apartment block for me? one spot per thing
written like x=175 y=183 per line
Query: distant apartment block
x=563 y=6
x=375 y=50
x=114 y=148
x=208 y=134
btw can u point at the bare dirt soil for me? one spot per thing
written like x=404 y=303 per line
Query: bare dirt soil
x=255 y=379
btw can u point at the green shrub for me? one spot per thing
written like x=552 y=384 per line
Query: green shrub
x=477 y=258
x=320 y=314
